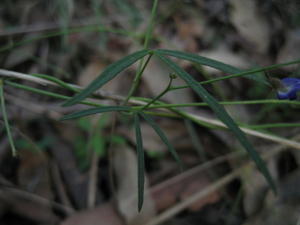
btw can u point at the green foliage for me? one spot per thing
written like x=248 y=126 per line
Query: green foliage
x=108 y=74
x=223 y=116
x=212 y=63
x=118 y=66
x=98 y=142
x=141 y=161
x=92 y=111
x=161 y=134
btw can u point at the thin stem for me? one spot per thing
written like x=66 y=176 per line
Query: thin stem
x=241 y=74
x=43 y=81
x=151 y=24
x=57 y=81
x=250 y=102
x=137 y=79
x=6 y=123
x=212 y=123
x=271 y=125
x=148 y=105
x=47 y=93
x=64 y=97
x=160 y=95
x=142 y=65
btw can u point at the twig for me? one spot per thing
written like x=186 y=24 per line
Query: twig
x=9 y=187
x=199 y=195
x=93 y=179
x=38 y=199
x=23 y=76
x=195 y=170
x=59 y=185
x=248 y=131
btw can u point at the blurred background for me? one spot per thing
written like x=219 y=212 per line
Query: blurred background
x=84 y=171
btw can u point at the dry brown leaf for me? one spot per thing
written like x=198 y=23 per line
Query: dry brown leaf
x=125 y=166
x=174 y=130
x=188 y=30
x=19 y=55
x=195 y=186
x=14 y=201
x=224 y=54
x=104 y=214
x=156 y=77
x=91 y=72
x=255 y=187
x=251 y=24
x=33 y=173
x=290 y=51
x=119 y=85
x=283 y=208
x=182 y=187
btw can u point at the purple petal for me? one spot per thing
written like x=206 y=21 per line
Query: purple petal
x=290 y=81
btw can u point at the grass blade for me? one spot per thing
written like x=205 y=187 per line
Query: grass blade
x=141 y=161
x=212 y=63
x=5 y=119
x=92 y=111
x=108 y=74
x=222 y=115
x=162 y=136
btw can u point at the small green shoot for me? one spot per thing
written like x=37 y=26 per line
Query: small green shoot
x=141 y=161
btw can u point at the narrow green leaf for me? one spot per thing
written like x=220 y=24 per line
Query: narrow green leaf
x=92 y=111
x=108 y=74
x=162 y=136
x=5 y=119
x=211 y=62
x=55 y=80
x=141 y=161
x=223 y=116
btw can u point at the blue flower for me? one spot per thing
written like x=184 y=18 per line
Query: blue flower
x=288 y=88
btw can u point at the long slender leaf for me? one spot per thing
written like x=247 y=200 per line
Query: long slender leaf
x=162 y=136
x=92 y=111
x=141 y=161
x=109 y=73
x=223 y=116
x=211 y=62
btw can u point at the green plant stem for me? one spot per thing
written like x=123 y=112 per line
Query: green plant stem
x=158 y=96
x=142 y=65
x=241 y=74
x=151 y=24
x=172 y=107
x=64 y=97
x=48 y=93
x=57 y=81
x=249 y=102
x=6 y=123
x=207 y=76
x=137 y=78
